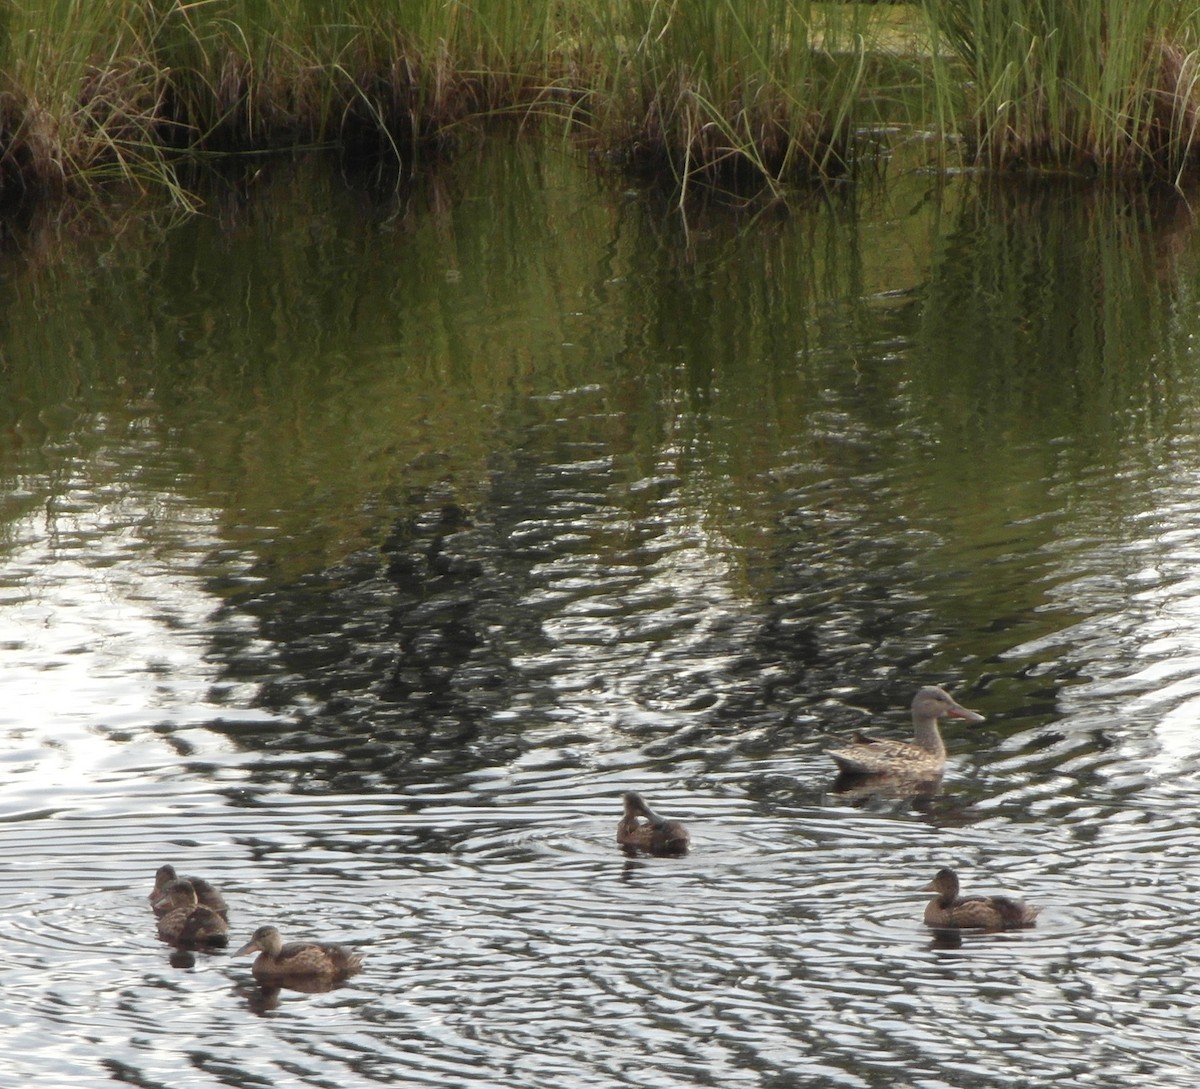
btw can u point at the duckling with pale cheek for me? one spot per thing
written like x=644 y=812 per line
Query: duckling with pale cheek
x=298 y=961
x=206 y=893
x=189 y=924
x=948 y=910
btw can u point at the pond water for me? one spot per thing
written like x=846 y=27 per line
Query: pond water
x=361 y=549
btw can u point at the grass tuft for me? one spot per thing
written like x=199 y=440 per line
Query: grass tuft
x=728 y=90
x=1080 y=85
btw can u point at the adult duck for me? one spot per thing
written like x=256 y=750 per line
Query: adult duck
x=298 y=962
x=188 y=923
x=641 y=829
x=923 y=757
x=948 y=910
x=206 y=893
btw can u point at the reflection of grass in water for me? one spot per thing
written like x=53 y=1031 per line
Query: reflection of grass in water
x=712 y=90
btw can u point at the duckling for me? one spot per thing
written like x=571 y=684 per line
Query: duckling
x=949 y=910
x=206 y=893
x=922 y=758
x=188 y=923
x=658 y=836
x=298 y=961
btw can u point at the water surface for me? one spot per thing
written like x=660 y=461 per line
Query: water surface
x=361 y=549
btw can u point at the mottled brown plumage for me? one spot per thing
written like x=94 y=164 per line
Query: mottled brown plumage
x=188 y=923
x=922 y=758
x=651 y=833
x=206 y=894
x=949 y=910
x=298 y=961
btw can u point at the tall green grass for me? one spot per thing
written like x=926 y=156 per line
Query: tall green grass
x=1093 y=85
x=95 y=89
x=718 y=89
x=712 y=91
x=253 y=73
x=78 y=98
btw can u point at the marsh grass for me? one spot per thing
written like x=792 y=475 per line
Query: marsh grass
x=720 y=92
x=99 y=89
x=253 y=73
x=77 y=101
x=1082 y=85
x=708 y=89
x=729 y=90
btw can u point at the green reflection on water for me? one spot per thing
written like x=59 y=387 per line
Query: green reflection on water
x=305 y=356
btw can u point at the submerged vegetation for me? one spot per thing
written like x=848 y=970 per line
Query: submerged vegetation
x=720 y=91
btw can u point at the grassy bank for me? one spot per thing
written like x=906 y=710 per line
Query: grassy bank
x=96 y=89
x=718 y=91
x=1084 y=85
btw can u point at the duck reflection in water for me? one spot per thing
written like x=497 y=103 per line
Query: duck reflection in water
x=300 y=966
x=641 y=829
x=950 y=911
x=262 y=997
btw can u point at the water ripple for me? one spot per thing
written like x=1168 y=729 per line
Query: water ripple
x=396 y=706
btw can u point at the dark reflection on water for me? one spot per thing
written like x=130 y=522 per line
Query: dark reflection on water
x=361 y=553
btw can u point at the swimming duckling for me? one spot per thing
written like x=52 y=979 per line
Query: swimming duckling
x=298 y=961
x=206 y=893
x=923 y=757
x=948 y=909
x=188 y=923
x=658 y=836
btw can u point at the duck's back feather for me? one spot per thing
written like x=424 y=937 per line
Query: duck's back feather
x=872 y=756
x=308 y=959
x=981 y=913
x=194 y=928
